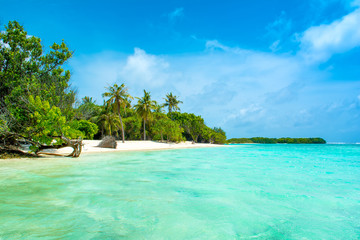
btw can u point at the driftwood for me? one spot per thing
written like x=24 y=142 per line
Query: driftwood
x=11 y=143
x=75 y=144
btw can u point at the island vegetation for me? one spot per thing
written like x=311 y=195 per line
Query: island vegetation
x=39 y=108
x=277 y=140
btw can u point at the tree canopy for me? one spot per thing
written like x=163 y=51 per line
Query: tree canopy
x=35 y=96
x=118 y=95
x=172 y=102
x=278 y=140
x=144 y=108
x=39 y=106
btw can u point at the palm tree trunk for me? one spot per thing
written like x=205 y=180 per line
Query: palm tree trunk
x=144 y=131
x=122 y=126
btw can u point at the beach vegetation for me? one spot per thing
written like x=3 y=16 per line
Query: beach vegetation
x=36 y=98
x=286 y=140
x=88 y=109
x=119 y=96
x=172 y=102
x=144 y=108
x=87 y=128
x=40 y=108
x=133 y=126
x=196 y=130
x=166 y=129
x=107 y=121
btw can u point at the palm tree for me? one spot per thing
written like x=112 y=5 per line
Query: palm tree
x=88 y=100
x=118 y=95
x=107 y=121
x=144 y=107
x=171 y=102
x=126 y=103
x=159 y=108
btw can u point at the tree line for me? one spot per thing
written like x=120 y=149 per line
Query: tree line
x=39 y=107
x=145 y=119
x=277 y=140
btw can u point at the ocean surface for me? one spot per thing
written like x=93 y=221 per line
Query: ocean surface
x=235 y=192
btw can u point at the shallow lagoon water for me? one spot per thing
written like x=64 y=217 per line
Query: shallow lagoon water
x=235 y=192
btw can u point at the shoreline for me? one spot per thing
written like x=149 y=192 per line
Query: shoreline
x=90 y=146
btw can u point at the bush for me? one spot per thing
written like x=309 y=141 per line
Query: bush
x=88 y=128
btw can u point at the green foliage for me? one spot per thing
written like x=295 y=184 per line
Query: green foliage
x=48 y=123
x=3 y=124
x=220 y=136
x=263 y=140
x=37 y=101
x=132 y=127
x=191 y=123
x=164 y=128
x=144 y=108
x=119 y=96
x=88 y=109
x=107 y=121
x=158 y=129
x=158 y=108
x=25 y=70
x=87 y=128
x=173 y=131
x=172 y=103
x=301 y=140
x=239 y=140
x=215 y=135
x=277 y=140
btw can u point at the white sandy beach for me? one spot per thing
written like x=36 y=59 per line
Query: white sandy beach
x=90 y=146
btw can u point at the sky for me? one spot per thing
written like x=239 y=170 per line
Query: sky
x=270 y=68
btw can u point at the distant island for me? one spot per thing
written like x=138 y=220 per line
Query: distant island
x=277 y=140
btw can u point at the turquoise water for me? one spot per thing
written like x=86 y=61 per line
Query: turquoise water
x=236 y=192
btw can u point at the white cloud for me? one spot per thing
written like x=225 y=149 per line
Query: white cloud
x=319 y=43
x=278 y=30
x=92 y=73
x=275 y=46
x=246 y=92
x=145 y=70
x=178 y=12
x=216 y=45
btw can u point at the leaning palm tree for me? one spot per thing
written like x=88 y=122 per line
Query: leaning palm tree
x=118 y=95
x=144 y=107
x=171 y=102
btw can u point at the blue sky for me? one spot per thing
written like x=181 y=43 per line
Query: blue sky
x=255 y=68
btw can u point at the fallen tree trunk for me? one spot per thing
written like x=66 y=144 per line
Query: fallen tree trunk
x=14 y=153
x=11 y=143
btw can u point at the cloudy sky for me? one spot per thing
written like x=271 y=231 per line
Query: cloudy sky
x=270 y=68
